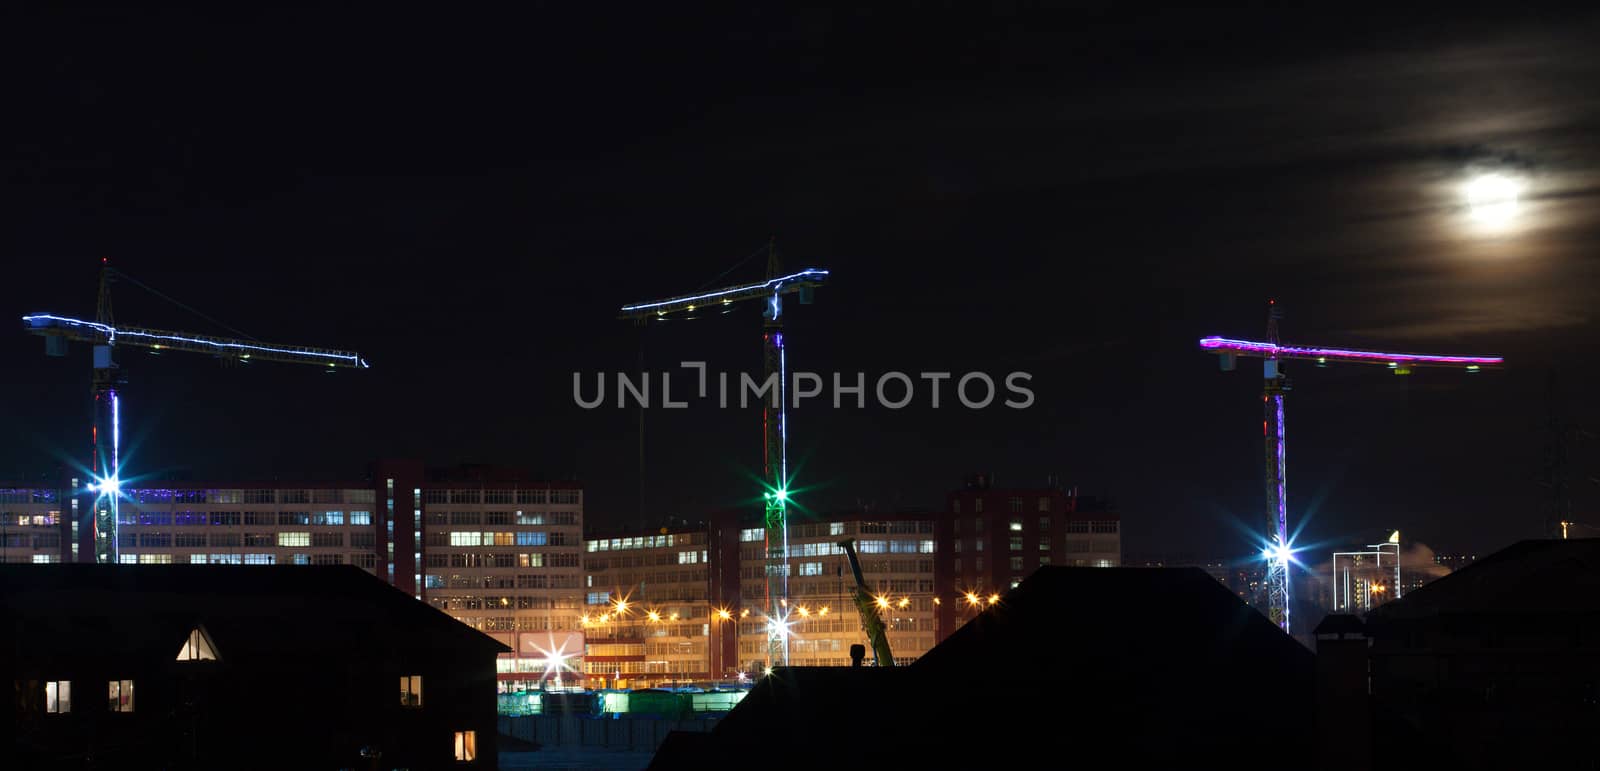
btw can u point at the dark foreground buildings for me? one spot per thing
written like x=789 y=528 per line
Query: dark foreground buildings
x=1494 y=666
x=1155 y=668
x=218 y=667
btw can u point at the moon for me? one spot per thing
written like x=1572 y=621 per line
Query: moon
x=1492 y=200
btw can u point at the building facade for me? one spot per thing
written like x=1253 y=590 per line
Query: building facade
x=649 y=615
x=991 y=538
x=897 y=556
x=494 y=548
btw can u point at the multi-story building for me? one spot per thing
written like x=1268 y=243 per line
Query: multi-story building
x=651 y=615
x=496 y=549
x=897 y=556
x=32 y=525
x=991 y=538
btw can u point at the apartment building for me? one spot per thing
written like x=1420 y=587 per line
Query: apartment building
x=992 y=538
x=897 y=556
x=651 y=615
x=497 y=549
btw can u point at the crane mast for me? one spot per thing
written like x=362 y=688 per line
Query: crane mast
x=1274 y=386
x=1278 y=549
x=774 y=427
x=103 y=335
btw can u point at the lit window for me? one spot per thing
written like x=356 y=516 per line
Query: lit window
x=835 y=528
x=1016 y=543
x=748 y=534
x=198 y=647
x=688 y=557
x=121 y=696
x=473 y=538
x=810 y=568
x=58 y=696
x=466 y=745
x=1044 y=543
x=294 y=539
x=1016 y=525
x=411 y=691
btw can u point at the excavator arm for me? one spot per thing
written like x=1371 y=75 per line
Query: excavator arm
x=870 y=620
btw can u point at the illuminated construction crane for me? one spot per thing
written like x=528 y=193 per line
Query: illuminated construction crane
x=774 y=429
x=105 y=336
x=1279 y=548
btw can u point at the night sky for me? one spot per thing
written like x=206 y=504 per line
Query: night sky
x=467 y=201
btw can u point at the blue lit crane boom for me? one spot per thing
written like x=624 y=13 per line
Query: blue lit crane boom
x=104 y=336
x=775 y=464
x=1278 y=549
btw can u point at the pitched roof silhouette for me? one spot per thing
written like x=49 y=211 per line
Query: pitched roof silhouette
x=1147 y=665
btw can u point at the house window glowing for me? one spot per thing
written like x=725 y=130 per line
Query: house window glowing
x=466 y=745
x=198 y=647
x=294 y=539
x=411 y=691
x=58 y=697
x=120 y=696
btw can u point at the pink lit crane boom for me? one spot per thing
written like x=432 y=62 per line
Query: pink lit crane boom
x=1278 y=549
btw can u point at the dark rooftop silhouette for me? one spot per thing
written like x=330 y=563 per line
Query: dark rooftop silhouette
x=1147 y=665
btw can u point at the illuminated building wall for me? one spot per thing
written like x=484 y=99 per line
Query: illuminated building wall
x=897 y=563
x=649 y=613
x=495 y=549
x=32 y=524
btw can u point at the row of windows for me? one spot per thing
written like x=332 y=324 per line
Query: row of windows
x=500 y=538
x=645 y=542
x=503 y=560
x=1073 y=526
x=26 y=495
x=319 y=495
x=240 y=559
x=227 y=518
x=437 y=495
x=519 y=517
x=518 y=581
x=58 y=696
x=32 y=520
x=1014 y=503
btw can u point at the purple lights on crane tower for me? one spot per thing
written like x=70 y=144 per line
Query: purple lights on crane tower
x=1278 y=552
